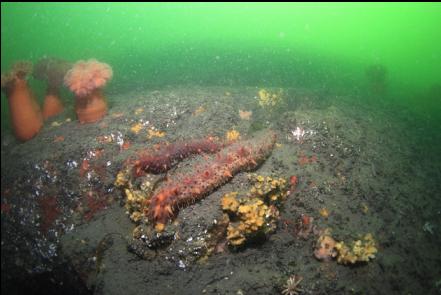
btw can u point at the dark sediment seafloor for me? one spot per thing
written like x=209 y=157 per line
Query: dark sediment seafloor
x=375 y=169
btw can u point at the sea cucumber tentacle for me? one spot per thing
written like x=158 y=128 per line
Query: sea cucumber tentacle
x=203 y=179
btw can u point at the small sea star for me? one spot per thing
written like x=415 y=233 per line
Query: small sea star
x=292 y=286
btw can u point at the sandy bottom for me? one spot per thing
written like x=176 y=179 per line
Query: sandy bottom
x=371 y=169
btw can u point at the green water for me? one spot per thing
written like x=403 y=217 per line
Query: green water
x=285 y=45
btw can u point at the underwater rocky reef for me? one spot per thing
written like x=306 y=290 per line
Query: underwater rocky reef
x=241 y=195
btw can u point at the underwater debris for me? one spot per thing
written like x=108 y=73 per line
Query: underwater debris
x=253 y=215
x=292 y=286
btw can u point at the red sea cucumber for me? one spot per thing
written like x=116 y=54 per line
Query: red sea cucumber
x=162 y=159
x=215 y=171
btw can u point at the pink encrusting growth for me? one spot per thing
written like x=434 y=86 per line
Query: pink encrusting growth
x=165 y=156
x=86 y=76
x=180 y=190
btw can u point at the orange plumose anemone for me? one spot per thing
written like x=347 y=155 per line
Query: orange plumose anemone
x=26 y=117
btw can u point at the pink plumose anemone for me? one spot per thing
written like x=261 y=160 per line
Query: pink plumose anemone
x=86 y=79
x=87 y=75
